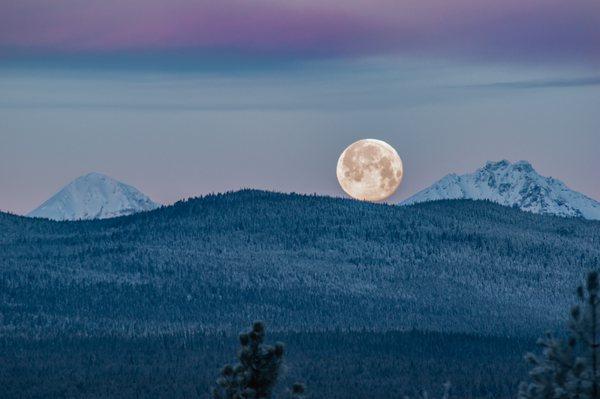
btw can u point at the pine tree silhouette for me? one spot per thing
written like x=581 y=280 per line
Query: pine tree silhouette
x=568 y=369
x=298 y=390
x=257 y=370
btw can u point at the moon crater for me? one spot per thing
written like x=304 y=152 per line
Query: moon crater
x=369 y=170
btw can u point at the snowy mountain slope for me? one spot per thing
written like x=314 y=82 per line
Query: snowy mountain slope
x=512 y=184
x=94 y=196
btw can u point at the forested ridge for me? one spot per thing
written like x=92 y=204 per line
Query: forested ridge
x=372 y=301
x=334 y=365
x=301 y=263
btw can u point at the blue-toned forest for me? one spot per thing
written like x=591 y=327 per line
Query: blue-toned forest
x=371 y=300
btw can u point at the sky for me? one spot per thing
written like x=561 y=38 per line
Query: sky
x=182 y=98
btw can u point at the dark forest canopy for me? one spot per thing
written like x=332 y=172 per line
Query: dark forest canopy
x=334 y=365
x=298 y=262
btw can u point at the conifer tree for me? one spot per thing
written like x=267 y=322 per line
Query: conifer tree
x=568 y=369
x=257 y=370
x=298 y=390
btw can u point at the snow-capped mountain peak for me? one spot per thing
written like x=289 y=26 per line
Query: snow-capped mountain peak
x=512 y=184
x=94 y=196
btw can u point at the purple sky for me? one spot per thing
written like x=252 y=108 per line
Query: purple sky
x=181 y=98
x=507 y=29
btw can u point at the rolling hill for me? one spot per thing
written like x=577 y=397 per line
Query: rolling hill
x=301 y=263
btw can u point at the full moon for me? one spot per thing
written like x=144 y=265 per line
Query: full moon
x=369 y=170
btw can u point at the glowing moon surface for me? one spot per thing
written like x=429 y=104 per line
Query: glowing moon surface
x=369 y=170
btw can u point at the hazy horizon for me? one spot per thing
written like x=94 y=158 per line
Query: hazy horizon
x=197 y=97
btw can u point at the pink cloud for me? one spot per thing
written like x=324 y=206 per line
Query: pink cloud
x=480 y=28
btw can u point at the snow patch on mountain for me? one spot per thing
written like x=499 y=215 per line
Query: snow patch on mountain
x=94 y=196
x=512 y=184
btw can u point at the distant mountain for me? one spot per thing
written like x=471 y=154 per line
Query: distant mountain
x=94 y=196
x=298 y=262
x=512 y=184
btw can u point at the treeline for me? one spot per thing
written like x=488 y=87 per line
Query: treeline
x=333 y=365
x=296 y=262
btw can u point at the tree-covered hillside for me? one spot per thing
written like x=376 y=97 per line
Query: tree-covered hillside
x=334 y=365
x=298 y=263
